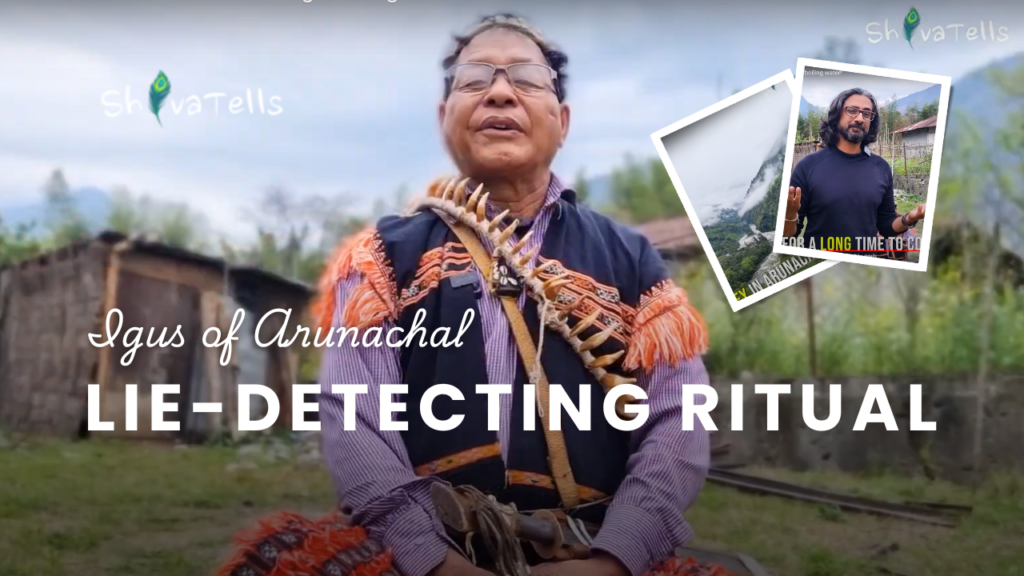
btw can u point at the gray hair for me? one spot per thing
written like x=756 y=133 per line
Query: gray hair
x=554 y=57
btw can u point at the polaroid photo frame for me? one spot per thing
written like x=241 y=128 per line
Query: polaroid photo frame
x=763 y=289
x=933 y=183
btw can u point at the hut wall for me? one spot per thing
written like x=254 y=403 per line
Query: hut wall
x=155 y=294
x=253 y=362
x=50 y=306
x=282 y=362
x=246 y=365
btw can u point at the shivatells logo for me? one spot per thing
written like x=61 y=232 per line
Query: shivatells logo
x=159 y=98
x=910 y=23
x=985 y=31
x=158 y=92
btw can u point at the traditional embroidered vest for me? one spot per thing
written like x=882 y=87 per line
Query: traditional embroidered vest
x=408 y=264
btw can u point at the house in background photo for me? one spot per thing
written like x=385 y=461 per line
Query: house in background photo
x=918 y=136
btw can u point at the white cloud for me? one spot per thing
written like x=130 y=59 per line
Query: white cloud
x=718 y=156
x=821 y=90
x=359 y=83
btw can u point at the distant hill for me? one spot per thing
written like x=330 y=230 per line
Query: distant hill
x=976 y=103
x=92 y=202
x=600 y=192
x=761 y=205
x=805 y=106
x=974 y=95
x=921 y=98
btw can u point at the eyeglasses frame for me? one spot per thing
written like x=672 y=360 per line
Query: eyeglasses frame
x=860 y=112
x=449 y=73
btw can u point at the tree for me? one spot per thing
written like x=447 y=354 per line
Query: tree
x=17 y=244
x=180 y=227
x=930 y=109
x=296 y=235
x=814 y=119
x=842 y=50
x=171 y=223
x=643 y=191
x=124 y=216
x=65 y=222
x=581 y=187
x=988 y=177
x=913 y=114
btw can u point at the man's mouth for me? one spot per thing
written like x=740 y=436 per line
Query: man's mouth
x=501 y=123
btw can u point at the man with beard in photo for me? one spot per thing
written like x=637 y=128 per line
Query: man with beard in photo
x=844 y=192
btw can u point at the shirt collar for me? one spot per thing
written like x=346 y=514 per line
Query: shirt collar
x=556 y=191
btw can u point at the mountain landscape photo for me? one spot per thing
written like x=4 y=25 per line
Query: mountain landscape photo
x=741 y=235
x=730 y=167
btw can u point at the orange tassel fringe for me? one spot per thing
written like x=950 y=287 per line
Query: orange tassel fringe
x=312 y=545
x=667 y=329
x=372 y=300
x=316 y=544
x=688 y=566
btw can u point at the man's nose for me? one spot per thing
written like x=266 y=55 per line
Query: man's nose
x=501 y=92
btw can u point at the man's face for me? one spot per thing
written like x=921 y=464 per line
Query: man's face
x=501 y=131
x=854 y=129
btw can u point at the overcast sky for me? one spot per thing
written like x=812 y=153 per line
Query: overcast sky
x=358 y=82
x=717 y=157
x=822 y=85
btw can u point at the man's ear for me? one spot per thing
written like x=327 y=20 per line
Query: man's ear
x=565 y=115
x=441 y=112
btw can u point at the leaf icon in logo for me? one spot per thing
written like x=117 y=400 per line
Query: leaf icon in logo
x=158 y=92
x=910 y=24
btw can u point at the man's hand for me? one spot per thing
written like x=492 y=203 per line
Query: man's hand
x=793 y=203
x=456 y=564
x=792 y=212
x=597 y=565
x=916 y=215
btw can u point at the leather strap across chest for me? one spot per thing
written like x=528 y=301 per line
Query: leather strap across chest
x=558 y=454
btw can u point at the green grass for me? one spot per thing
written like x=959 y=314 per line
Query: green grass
x=796 y=539
x=110 y=508
x=907 y=203
x=912 y=165
x=107 y=508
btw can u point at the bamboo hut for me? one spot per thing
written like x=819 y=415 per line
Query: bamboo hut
x=50 y=304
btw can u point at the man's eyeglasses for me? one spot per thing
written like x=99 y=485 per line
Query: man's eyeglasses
x=853 y=112
x=525 y=77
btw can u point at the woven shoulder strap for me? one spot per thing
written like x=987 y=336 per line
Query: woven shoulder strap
x=558 y=454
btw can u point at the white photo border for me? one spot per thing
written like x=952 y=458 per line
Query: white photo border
x=736 y=305
x=933 y=176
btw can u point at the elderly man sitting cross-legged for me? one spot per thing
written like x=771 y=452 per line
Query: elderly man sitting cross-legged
x=506 y=239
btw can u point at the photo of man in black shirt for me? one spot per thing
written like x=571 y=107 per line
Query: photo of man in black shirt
x=843 y=193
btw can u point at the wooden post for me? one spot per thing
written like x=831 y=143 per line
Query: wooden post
x=109 y=303
x=905 y=171
x=983 y=361
x=209 y=306
x=812 y=343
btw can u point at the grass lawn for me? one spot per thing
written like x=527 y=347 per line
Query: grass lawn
x=907 y=203
x=107 y=508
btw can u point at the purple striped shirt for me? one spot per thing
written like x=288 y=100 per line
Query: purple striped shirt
x=375 y=480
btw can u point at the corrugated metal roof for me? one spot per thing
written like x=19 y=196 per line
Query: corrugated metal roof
x=926 y=123
x=158 y=249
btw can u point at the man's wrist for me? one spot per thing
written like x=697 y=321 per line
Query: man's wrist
x=455 y=564
x=608 y=565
